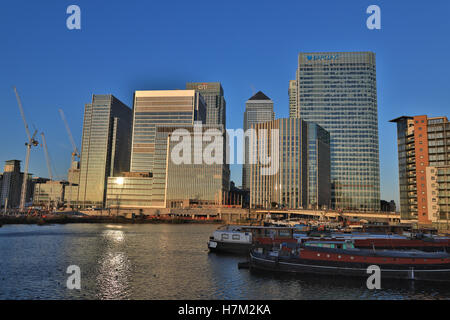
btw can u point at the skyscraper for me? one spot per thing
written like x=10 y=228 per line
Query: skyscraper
x=338 y=91
x=160 y=107
x=424 y=169
x=258 y=109
x=156 y=113
x=292 y=92
x=212 y=93
x=285 y=142
x=105 y=147
x=197 y=183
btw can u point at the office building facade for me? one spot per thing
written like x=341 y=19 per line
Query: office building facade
x=105 y=147
x=198 y=182
x=337 y=90
x=258 y=109
x=293 y=102
x=49 y=194
x=424 y=169
x=11 y=185
x=287 y=185
x=212 y=93
x=155 y=115
x=319 y=167
x=160 y=107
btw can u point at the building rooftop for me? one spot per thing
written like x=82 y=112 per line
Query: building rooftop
x=401 y=118
x=259 y=96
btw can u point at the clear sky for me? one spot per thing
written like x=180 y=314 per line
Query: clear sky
x=246 y=45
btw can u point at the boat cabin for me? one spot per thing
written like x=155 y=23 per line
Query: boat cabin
x=331 y=244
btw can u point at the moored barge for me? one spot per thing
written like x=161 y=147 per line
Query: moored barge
x=337 y=258
x=239 y=239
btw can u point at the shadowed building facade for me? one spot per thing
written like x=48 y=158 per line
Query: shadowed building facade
x=11 y=185
x=212 y=93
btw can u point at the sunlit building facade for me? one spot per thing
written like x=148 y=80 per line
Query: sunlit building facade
x=337 y=90
x=160 y=107
x=198 y=182
x=258 y=109
x=49 y=194
x=293 y=105
x=424 y=169
x=287 y=185
x=105 y=147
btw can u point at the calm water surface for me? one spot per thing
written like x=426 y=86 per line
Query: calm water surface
x=158 y=262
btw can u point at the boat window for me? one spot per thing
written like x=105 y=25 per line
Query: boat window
x=285 y=233
x=224 y=236
x=236 y=237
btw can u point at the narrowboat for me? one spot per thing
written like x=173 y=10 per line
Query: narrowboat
x=239 y=239
x=338 y=258
x=382 y=241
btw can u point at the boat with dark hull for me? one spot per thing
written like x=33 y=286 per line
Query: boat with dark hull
x=239 y=239
x=343 y=259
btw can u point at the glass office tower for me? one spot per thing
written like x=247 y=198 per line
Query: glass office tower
x=212 y=92
x=160 y=107
x=338 y=91
x=258 y=109
x=287 y=185
x=105 y=147
x=197 y=183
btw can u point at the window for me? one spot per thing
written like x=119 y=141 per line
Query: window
x=236 y=237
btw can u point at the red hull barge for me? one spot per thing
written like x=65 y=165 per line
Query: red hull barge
x=338 y=260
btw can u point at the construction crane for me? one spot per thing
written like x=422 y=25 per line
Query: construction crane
x=47 y=158
x=75 y=152
x=32 y=142
x=50 y=175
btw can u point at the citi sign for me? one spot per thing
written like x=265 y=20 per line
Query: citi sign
x=322 y=57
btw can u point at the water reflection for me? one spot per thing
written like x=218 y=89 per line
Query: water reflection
x=114 y=267
x=160 y=262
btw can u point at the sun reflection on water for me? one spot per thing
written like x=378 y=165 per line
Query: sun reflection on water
x=114 y=267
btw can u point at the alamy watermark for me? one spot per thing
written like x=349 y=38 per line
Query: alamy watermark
x=207 y=145
x=74 y=20
x=374 y=280
x=74 y=280
x=374 y=20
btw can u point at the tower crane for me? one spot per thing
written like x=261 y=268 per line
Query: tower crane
x=47 y=158
x=75 y=152
x=32 y=142
x=50 y=175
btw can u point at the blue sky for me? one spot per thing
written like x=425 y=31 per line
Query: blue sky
x=136 y=45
